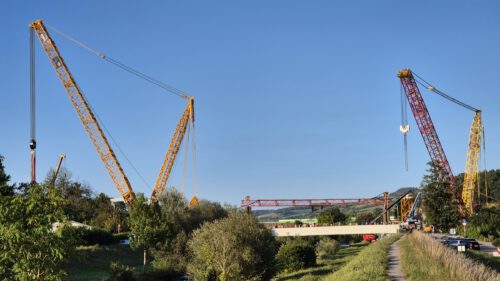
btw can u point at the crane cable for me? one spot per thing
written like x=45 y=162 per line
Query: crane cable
x=123 y=66
x=405 y=127
x=428 y=86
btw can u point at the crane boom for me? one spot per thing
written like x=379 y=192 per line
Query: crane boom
x=173 y=149
x=56 y=171
x=426 y=126
x=471 y=165
x=85 y=114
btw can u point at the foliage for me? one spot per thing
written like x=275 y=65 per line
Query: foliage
x=491 y=178
x=29 y=250
x=233 y=248
x=95 y=236
x=370 y=264
x=171 y=255
x=172 y=258
x=483 y=225
x=331 y=216
x=327 y=248
x=366 y=217
x=147 y=225
x=120 y=272
x=496 y=242
x=5 y=188
x=296 y=254
x=439 y=206
x=109 y=217
x=424 y=258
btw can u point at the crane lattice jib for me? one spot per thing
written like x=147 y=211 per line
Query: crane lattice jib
x=471 y=166
x=173 y=149
x=425 y=125
x=85 y=114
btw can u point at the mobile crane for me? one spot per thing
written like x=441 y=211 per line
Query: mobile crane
x=93 y=129
x=465 y=196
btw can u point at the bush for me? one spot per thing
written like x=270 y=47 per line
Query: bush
x=234 y=248
x=120 y=272
x=94 y=236
x=496 y=242
x=295 y=254
x=327 y=248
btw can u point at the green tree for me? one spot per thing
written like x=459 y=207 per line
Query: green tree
x=5 y=188
x=439 y=208
x=327 y=248
x=331 y=216
x=296 y=254
x=29 y=249
x=233 y=248
x=171 y=256
x=147 y=225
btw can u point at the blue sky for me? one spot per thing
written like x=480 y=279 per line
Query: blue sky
x=294 y=99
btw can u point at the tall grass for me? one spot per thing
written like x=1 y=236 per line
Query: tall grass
x=423 y=258
x=370 y=264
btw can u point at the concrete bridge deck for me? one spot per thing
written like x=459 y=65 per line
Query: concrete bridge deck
x=336 y=230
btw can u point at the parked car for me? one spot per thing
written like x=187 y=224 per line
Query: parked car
x=447 y=239
x=472 y=244
x=455 y=243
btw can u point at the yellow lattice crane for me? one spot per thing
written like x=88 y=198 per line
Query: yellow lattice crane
x=472 y=164
x=94 y=130
x=187 y=119
x=85 y=114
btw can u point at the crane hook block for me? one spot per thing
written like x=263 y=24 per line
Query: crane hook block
x=404 y=129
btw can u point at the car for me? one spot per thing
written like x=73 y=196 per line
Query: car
x=457 y=242
x=447 y=239
x=472 y=244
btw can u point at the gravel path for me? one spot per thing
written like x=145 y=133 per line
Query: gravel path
x=394 y=266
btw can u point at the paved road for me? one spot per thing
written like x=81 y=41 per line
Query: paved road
x=394 y=269
x=486 y=247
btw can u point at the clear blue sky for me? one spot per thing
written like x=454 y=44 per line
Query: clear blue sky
x=294 y=99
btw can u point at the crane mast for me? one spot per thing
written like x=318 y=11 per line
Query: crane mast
x=187 y=118
x=472 y=163
x=426 y=126
x=85 y=114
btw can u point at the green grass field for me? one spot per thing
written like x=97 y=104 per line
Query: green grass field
x=324 y=267
x=370 y=264
x=92 y=263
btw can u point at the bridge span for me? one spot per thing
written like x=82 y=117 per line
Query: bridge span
x=336 y=230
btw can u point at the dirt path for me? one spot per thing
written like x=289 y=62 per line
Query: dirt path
x=394 y=269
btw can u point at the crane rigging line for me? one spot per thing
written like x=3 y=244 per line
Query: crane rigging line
x=429 y=86
x=123 y=66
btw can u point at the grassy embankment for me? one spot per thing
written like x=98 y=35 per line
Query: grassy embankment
x=324 y=267
x=423 y=258
x=92 y=263
x=370 y=264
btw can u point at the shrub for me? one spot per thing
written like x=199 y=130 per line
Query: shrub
x=296 y=254
x=120 y=272
x=234 y=248
x=327 y=248
x=94 y=236
x=496 y=242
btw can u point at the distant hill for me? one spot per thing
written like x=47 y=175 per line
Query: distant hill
x=269 y=215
